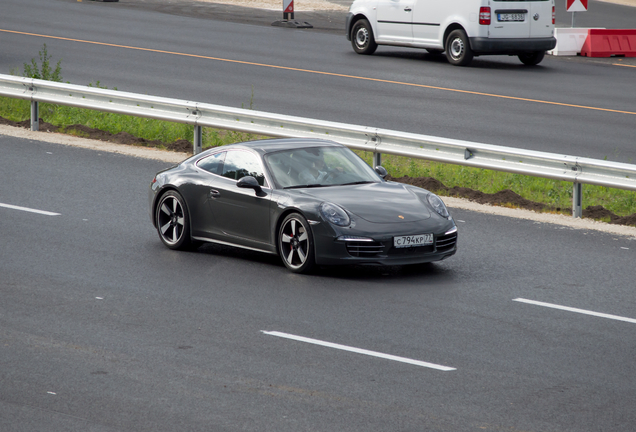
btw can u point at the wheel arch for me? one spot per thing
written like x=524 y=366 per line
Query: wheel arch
x=160 y=193
x=357 y=17
x=452 y=27
x=280 y=220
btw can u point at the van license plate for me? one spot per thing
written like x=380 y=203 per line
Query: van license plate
x=413 y=240
x=511 y=17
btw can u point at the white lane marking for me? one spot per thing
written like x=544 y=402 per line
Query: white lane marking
x=359 y=351
x=26 y=209
x=581 y=311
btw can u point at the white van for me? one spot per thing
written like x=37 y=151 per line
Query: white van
x=461 y=28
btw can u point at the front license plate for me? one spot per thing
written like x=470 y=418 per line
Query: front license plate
x=413 y=240
x=511 y=17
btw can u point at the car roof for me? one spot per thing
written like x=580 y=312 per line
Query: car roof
x=273 y=145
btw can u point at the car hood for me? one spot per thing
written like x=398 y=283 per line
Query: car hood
x=375 y=202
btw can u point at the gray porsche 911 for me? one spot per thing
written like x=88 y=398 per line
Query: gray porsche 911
x=313 y=202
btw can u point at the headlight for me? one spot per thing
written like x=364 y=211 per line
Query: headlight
x=438 y=205
x=334 y=214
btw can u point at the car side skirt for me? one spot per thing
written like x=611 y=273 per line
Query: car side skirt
x=209 y=240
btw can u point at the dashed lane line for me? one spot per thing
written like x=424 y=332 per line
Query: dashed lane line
x=580 y=311
x=359 y=350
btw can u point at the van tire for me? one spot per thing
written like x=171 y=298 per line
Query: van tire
x=362 y=39
x=458 y=51
x=532 y=58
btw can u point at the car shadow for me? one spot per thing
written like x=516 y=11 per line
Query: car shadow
x=377 y=273
x=427 y=271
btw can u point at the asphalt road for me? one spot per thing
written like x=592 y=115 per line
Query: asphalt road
x=102 y=328
x=574 y=106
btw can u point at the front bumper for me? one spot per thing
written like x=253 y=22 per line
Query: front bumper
x=331 y=251
x=484 y=45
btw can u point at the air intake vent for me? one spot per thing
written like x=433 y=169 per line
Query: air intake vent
x=364 y=249
x=446 y=242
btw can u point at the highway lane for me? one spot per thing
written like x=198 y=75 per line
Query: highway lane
x=103 y=328
x=568 y=106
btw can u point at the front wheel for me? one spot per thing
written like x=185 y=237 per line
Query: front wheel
x=458 y=51
x=362 y=38
x=173 y=221
x=532 y=58
x=296 y=244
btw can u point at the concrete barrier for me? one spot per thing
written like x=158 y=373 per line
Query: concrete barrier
x=610 y=42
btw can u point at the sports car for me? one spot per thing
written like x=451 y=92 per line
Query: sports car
x=312 y=202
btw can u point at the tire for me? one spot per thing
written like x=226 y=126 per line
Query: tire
x=532 y=58
x=296 y=244
x=173 y=221
x=362 y=39
x=458 y=51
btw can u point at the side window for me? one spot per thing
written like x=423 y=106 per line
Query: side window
x=213 y=164
x=239 y=164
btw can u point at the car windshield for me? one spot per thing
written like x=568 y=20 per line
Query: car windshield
x=318 y=167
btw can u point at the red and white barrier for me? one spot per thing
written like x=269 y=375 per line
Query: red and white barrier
x=610 y=42
x=569 y=41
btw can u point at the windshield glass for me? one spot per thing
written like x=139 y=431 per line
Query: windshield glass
x=318 y=166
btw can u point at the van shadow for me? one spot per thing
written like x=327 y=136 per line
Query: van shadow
x=480 y=62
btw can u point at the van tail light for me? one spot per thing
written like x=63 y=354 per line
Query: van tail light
x=553 y=16
x=484 y=15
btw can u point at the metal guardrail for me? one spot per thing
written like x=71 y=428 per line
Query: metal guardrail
x=574 y=169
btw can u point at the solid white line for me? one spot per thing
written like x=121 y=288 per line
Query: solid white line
x=581 y=311
x=42 y=212
x=359 y=351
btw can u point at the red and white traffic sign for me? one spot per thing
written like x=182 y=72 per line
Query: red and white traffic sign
x=576 y=5
x=288 y=6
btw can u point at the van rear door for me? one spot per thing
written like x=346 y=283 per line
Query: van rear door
x=521 y=18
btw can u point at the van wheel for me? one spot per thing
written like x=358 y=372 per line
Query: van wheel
x=533 y=58
x=458 y=50
x=362 y=38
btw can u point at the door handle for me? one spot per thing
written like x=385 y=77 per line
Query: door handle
x=214 y=193
x=407 y=9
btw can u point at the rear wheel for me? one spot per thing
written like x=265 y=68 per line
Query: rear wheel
x=362 y=38
x=458 y=50
x=296 y=244
x=532 y=59
x=173 y=221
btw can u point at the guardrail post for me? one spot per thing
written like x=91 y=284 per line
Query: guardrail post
x=377 y=159
x=577 y=200
x=35 y=116
x=197 y=142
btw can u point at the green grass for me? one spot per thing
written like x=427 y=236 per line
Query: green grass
x=550 y=192
x=150 y=129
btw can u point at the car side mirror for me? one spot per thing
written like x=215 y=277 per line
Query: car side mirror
x=249 y=182
x=381 y=171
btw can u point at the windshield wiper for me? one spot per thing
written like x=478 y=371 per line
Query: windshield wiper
x=358 y=182
x=305 y=186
